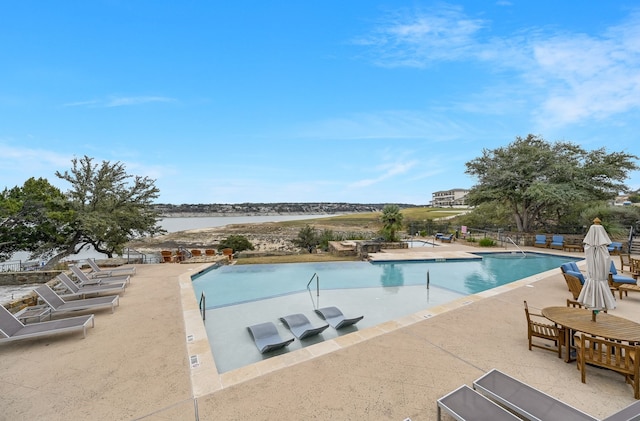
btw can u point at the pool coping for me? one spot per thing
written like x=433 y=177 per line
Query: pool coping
x=205 y=378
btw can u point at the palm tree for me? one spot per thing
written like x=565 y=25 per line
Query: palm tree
x=391 y=219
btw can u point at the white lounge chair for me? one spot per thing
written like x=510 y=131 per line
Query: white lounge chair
x=526 y=401
x=12 y=329
x=58 y=305
x=300 y=326
x=465 y=404
x=266 y=337
x=84 y=290
x=85 y=280
x=335 y=318
x=98 y=272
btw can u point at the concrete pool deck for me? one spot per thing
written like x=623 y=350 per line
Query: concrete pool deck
x=136 y=363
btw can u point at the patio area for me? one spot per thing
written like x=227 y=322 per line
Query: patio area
x=137 y=362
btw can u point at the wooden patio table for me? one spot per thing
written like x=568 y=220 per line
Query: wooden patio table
x=580 y=320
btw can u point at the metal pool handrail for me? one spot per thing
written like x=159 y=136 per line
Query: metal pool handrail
x=315 y=275
x=203 y=306
x=514 y=243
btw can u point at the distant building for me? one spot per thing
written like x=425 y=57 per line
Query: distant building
x=453 y=197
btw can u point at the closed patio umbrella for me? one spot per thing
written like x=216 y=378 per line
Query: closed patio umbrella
x=595 y=294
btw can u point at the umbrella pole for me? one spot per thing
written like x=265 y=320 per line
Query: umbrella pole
x=594 y=313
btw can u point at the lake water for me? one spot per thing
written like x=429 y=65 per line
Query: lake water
x=189 y=223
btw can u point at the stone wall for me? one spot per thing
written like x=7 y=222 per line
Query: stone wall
x=362 y=248
x=25 y=278
x=342 y=248
x=28 y=277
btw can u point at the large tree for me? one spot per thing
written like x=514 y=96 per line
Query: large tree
x=111 y=207
x=35 y=218
x=538 y=180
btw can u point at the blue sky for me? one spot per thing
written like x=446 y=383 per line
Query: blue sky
x=359 y=101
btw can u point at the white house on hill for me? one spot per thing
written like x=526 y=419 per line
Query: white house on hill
x=453 y=197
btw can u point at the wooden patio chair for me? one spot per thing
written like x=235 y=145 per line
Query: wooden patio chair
x=634 y=267
x=619 y=357
x=625 y=260
x=541 y=241
x=166 y=256
x=575 y=304
x=229 y=253
x=548 y=331
x=574 y=284
x=178 y=256
x=196 y=253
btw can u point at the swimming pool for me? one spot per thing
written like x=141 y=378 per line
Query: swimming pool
x=230 y=285
x=243 y=295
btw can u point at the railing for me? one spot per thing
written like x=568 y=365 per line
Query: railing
x=11 y=266
x=203 y=306
x=514 y=243
x=315 y=275
x=135 y=256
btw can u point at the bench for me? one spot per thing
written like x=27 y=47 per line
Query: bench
x=628 y=287
x=573 y=244
x=573 y=247
x=615 y=356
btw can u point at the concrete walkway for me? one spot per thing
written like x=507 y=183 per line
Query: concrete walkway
x=135 y=363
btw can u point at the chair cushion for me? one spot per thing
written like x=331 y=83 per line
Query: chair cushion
x=578 y=275
x=613 y=269
x=557 y=239
x=569 y=266
x=623 y=279
x=615 y=246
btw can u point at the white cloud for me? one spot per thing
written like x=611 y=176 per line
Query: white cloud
x=589 y=77
x=136 y=100
x=416 y=39
x=568 y=78
x=394 y=124
x=119 y=101
x=386 y=171
x=18 y=164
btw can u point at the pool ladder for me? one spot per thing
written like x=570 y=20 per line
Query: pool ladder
x=315 y=275
x=203 y=306
x=514 y=243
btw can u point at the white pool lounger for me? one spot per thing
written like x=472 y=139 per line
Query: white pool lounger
x=465 y=404
x=267 y=338
x=525 y=400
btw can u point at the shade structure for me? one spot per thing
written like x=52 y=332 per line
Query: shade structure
x=595 y=294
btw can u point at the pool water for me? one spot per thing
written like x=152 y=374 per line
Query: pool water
x=229 y=285
x=243 y=295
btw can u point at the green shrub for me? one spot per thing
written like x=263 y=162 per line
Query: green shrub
x=486 y=242
x=236 y=242
x=308 y=239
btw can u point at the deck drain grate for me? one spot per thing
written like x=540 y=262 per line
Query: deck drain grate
x=190 y=338
x=195 y=362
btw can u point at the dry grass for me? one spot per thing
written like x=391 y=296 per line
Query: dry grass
x=372 y=219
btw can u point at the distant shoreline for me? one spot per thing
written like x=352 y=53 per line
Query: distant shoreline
x=241 y=214
x=266 y=209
